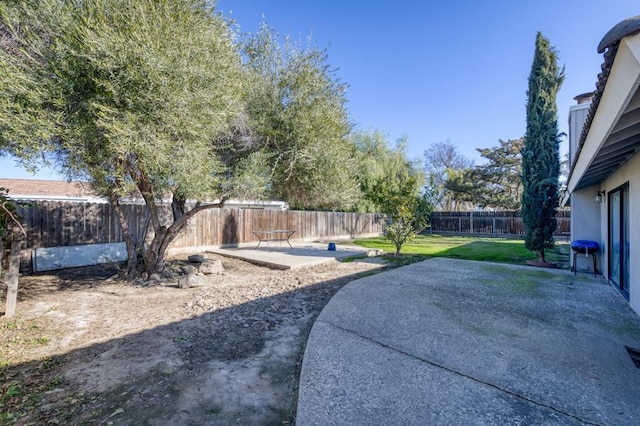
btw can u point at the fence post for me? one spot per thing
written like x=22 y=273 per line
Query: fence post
x=471 y=222
x=12 y=277
x=494 y=224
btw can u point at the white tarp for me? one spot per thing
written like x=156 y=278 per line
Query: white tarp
x=50 y=258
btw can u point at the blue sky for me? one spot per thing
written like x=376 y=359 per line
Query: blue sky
x=438 y=70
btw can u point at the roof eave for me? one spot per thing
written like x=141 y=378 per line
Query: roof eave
x=602 y=147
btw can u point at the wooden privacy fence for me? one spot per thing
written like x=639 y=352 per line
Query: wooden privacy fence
x=54 y=224
x=495 y=223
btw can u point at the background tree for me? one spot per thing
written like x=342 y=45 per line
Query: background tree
x=407 y=212
x=495 y=184
x=130 y=95
x=377 y=161
x=441 y=160
x=374 y=157
x=397 y=193
x=502 y=174
x=462 y=188
x=297 y=112
x=540 y=155
x=251 y=175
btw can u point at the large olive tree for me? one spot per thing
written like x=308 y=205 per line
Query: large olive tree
x=299 y=122
x=129 y=95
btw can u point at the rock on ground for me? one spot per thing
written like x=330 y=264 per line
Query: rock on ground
x=191 y=280
x=197 y=258
x=209 y=267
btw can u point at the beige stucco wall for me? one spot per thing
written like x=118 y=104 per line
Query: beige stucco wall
x=629 y=172
x=586 y=224
x=577 y=117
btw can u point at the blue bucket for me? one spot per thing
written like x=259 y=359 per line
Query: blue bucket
x=332 y=247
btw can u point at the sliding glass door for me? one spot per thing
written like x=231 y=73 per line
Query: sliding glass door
x=619 y=238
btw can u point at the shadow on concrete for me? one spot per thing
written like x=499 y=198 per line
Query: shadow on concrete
x=447 y=341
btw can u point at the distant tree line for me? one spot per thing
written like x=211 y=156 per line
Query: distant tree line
x=455 y=183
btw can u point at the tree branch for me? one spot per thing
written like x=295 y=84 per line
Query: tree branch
x=13 y=219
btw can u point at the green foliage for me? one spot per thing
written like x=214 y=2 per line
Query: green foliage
x=404 y=227
x=373 y=156
x=399 y=198
x=377 y=161
x=540 y=155
x=495 y=184
x=27 y=113
x=129 y=95
x=297 y=112
x=391 y=184
x=251 y=178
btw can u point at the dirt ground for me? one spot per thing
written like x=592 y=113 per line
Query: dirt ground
x=88 y=348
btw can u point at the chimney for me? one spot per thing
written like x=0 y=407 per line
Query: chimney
x=584 y=98
x=577 y=117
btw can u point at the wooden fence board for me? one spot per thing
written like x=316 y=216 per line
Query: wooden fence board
x=491 y=223
x=52 y=224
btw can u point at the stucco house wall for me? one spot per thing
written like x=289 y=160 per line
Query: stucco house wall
x=586 y=224
x=605 y=156
x=590 y=221
x=629 y=172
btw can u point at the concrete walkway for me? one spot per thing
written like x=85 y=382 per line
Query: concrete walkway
x=456 y=342
x=302 y=255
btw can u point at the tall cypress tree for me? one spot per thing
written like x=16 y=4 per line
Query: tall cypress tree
x=540 y=155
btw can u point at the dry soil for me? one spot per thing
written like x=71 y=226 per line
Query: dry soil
x=89 y=348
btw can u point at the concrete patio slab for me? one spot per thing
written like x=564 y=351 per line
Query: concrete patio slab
x=302 y=255
x=458 y=342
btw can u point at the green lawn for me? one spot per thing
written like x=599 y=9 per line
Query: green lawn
x=500 y=250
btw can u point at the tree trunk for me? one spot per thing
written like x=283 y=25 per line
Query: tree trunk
x=132 y=256
x=153 y=262
x=179 y=207
x=541 y=256
x=155 y=255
